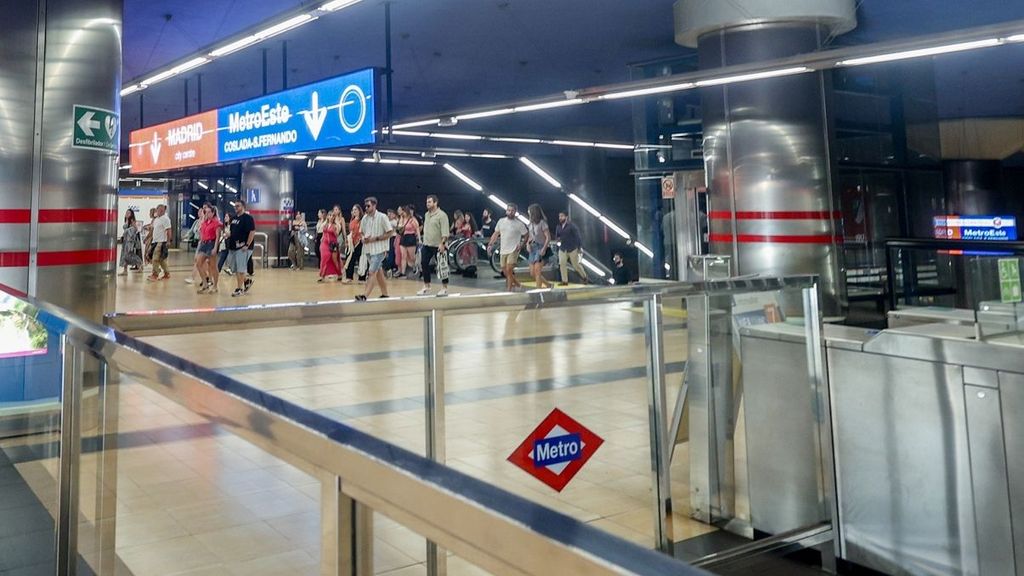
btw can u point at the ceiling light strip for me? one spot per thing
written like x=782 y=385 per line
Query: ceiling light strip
x=472 y=183
x=540 y=172
x=920 y=53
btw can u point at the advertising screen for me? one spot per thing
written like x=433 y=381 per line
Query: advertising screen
x=332 y=113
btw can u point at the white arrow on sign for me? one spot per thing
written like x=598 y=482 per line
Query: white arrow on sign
x=154 y=148
x=87 y=124
x=315 y=116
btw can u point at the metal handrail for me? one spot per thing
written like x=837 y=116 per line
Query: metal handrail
x=499 y=531
x=145 y=323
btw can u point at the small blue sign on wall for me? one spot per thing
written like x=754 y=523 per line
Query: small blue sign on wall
x=333 y=113
x=252 y=196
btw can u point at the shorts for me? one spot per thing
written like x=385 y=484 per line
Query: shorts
x=408 y=240
x=536 y=255
x=510 y=259
x=206 y=247
x=238 y=260
x=374 y=262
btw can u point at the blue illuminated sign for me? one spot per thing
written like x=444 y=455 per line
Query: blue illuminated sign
x=976 y=227
x=332 y=113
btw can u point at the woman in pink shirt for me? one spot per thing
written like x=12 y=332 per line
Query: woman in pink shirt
x=330 y=264
x=209 y=229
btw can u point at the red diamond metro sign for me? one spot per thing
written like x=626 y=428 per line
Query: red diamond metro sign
x=556 y=450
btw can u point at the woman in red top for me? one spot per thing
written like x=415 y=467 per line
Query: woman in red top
x=330 y=267
x=356 y=242
x=209 y=229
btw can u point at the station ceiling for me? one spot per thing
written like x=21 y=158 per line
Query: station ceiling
x=458 y=54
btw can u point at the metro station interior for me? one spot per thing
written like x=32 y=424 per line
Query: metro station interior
x=466 y=287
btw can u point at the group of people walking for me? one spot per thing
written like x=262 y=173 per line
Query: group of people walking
x=370 y=245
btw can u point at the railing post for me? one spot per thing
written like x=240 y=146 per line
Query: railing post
x=346 y=547
x=433 y=370
x=658 y=422
x=106 y=471
x=818 y=373
x=70 y=457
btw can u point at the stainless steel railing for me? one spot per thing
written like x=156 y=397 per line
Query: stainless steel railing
x=433 y=311
x=496 y=530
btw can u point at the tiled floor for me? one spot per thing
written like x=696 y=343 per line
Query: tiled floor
x=193 y=499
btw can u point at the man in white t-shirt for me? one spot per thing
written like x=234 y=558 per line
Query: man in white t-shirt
x=377 y=231
x=161 y=240
x=512 y=233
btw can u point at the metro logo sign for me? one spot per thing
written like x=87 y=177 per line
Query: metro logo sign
x=556 y=450
x=333 y=113
x=954 y=227
x=191 y=141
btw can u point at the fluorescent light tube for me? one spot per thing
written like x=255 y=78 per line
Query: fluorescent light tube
x=753 y=76
x=491 y=156
x=234 y=46
x=644 y=249
x=221 y=182
x=523 y=219
x=585 y=206
x=464 y=178
x=593 y=268
x=203 y=185
x=959 y=47
x=295 y=156
x=284 y=26
x=614 y=227
x=519 y=140
x=540 y=172
x=1016 y=38
x=572 y=143
x=231 y=188
x=193 y=63
x=418 y=123
x=455 y=136
x=647 y=91
x=335 y=159
x=131 y=89
x=549 y=105
x=498 y=201
x=417 y=162
x=126 y=167
x=158 y=77
x=337 y=5
x=485 y=114
x=615 y=146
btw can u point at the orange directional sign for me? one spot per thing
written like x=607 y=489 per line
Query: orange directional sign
x=190 y=141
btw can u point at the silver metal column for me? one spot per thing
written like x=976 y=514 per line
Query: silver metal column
x=657 y=418
x=765 y=141
x=57 y=233
x=275 y=208
x=70 y=457
x=433 y=399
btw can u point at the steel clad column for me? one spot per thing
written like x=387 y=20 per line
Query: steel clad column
x=57 y=202
x=270 y=184
x=765 y=141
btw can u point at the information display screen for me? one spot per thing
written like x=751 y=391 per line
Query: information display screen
x=332 y=113
x=955 y=227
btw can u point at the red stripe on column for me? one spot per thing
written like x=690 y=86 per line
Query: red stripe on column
x=58 y=216
x=13 y=259
x=12 y=290
x=73 y=257
x=778 y=215
x=63 y=258
x=773 y=239
x=15 y=216
x=72 y=215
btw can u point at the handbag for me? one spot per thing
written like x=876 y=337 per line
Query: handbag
x=363 y=264
x=443 y=270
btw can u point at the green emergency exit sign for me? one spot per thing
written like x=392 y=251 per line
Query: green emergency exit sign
x=1009 y=280
x=95 y=129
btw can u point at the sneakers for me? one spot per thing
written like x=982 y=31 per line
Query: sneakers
x=189 y=281
x=238 y=292
x=360 y=298
x=248 y=284
x=384 y=296
x=563 y=283
x=442 y=292
x=152 y=278
x=423 y=292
